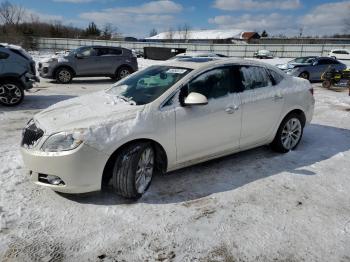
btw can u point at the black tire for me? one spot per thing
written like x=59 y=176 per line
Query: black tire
x=11 y=93
x=304 y=75
x=64 y=75
x=326 y=84
x=125 y=171
x=277 y=144
x=123 y=72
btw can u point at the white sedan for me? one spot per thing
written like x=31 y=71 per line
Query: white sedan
x=163 y=118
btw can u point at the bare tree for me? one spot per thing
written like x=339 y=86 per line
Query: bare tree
x=153 y=32
x=347 y=25
x=11 y=14
x=186 y=31
x=170 y=33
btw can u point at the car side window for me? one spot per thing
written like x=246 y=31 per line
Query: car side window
x=102 y=51
x=277 y=78
x=254 y=77
x=115 y=51
x=88 y=52
x=213 y=84
x=326 y=62
x=4 y=55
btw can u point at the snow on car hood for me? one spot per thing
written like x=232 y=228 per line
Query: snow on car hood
x=86 y=112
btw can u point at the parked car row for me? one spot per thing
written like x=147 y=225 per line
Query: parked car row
x=311 y=67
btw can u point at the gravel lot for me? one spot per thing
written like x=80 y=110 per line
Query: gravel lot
x=251 y=206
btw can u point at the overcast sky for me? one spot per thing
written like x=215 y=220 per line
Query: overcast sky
x=138 y=17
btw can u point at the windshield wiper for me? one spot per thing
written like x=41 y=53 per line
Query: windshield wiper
x=126 y=99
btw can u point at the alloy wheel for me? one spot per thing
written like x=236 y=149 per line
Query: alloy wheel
x=144 y=170
x=64 y=76
x=291 y=133
x=124 y=73
x=10 y=94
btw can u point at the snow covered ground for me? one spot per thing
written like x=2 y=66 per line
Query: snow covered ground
x=252 y=206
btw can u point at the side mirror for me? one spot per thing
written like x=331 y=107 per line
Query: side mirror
x=79 y=56
x=195 y=99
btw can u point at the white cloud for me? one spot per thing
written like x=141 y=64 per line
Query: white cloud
x=273 y=23
x=33 y=14
x=229 y=5
x=137 y=19
x=325 y=19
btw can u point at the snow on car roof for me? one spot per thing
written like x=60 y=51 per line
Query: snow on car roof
x=199 y=63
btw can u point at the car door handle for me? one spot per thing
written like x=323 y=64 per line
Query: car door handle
x=278 y=97
x=231 y=110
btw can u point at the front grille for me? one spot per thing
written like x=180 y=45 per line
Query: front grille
x=31 y=134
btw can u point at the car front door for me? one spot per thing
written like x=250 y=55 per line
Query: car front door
x=262 y=103
x=203 y=131
x=86 y=62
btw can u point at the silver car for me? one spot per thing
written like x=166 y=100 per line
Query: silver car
x=90 y=61
x=312 y=68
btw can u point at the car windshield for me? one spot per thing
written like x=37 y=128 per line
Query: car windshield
x=77 y=51
x=303 y=60
x=147 y=85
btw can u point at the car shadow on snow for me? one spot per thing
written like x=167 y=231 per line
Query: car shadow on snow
x=36 y=102
x=319 y=143
x=87 y=81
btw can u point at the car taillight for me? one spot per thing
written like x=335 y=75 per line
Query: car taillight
x=311 y=91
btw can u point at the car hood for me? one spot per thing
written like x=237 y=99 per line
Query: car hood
x=88 y=111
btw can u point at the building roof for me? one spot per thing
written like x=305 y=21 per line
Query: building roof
x=200 y=34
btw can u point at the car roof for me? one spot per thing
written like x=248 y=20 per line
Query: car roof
x=196 y=64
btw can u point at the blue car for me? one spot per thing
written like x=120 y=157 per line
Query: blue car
x=311 y=68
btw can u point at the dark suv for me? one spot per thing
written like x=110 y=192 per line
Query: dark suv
x=17 y=73
x=90 y=61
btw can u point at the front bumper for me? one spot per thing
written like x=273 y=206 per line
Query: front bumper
x=80 y=169
x=45 y=70
x=29 y=80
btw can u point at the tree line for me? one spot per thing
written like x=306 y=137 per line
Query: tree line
x=18 y=26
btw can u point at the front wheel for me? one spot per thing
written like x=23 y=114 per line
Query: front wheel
x=289 y=134
x=133 y=170
x=64 y=75
x=304 y=75
x=11 y=93
x=123 y=72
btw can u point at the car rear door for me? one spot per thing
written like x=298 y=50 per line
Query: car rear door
x=108 y=60
x=207 y=130
x=262 y=104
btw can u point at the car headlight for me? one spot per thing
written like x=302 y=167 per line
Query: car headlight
x=63 y=141
x=52 y=60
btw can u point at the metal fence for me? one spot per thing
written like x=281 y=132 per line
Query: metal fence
x=234 y=50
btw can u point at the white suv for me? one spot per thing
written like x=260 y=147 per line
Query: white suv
x=342 y=54
x=163 y=118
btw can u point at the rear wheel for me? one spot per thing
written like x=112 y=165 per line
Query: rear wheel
x=11 y=93
x=289 y=134
x=304 y=75
x=133 y=170
x=64 y=75
x=123 y=72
